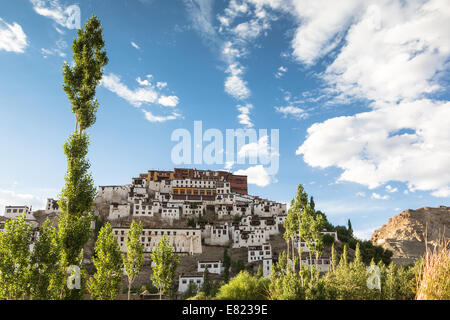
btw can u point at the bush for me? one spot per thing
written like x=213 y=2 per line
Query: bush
x=244 y=287
x=434 y=278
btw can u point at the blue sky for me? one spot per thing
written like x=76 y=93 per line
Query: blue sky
x=357 y=89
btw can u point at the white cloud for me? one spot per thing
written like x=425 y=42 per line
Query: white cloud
x=390 y=189
x=249 y=30
x=255 y=175
x=136 y=97
x=229 y=165
x=379 y=197
x=146 y=94
x=12 y=37
x=68 y=17
x=161 y=85
x=135 y=45
x=234 y=84
x=61 y=45
x=200 y=12
x=259 y=149
x=319 y=23
x=294 y=112
x=12 y=198
x=244 y=115
x=361 y=194
x=370 y=152
x=152 y=118
x=364 y=234
x=144 y=82
x=280 y=72
x=168 y=101
x=394 y=51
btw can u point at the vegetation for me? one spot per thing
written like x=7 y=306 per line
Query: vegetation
x=244 y=287
x=77 y=196
x=434 y=273
x=105 y=284
x=15 y=264
x=133 y=260
x=166 y=263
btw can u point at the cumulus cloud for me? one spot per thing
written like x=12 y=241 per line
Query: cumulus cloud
x=244 y=115
x=235 y=85
x=255 y=175
x=379 y=197
x=259 y=149
x=292 y=111
x=394 y=51
x=393 y=56
x=12 y=37
x=68 y=17
x=168 y=101
x=391 y=189
x=364 y=147
x=319 y=23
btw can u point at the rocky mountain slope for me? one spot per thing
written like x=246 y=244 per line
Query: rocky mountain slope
x=405 y=233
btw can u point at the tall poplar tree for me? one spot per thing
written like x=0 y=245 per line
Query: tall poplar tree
x=77 y=197
x=166 y=263
x=15 y=272
x=133 y=260
x=105 y=284
x=44 y=263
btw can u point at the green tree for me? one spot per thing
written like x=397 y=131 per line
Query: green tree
x=207 y=285
x=105 y=283
x=310 y=227
x=44 y=262
x=226 y=265
x=77 y=197
x=191 y=291
x=285 y=284
x=15 y=268
x=166 y=263
x=244 y=287
x=133 y=260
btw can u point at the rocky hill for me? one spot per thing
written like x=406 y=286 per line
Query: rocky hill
x=406 y=233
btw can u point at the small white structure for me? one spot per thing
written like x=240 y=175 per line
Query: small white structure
x=245 y=238
x=145 y=209
x=170 y=213
x=15 y=211
x=52 y=206
x=212 y=266
x=219 y=235
x=117 y=211
x=193 y=209
x=258 y=253
x=110 y=194
x=323 y=264
x=187 y=241
x=267 y=267
x=185 y=280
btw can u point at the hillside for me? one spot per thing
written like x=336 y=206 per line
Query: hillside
x=405 y=233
